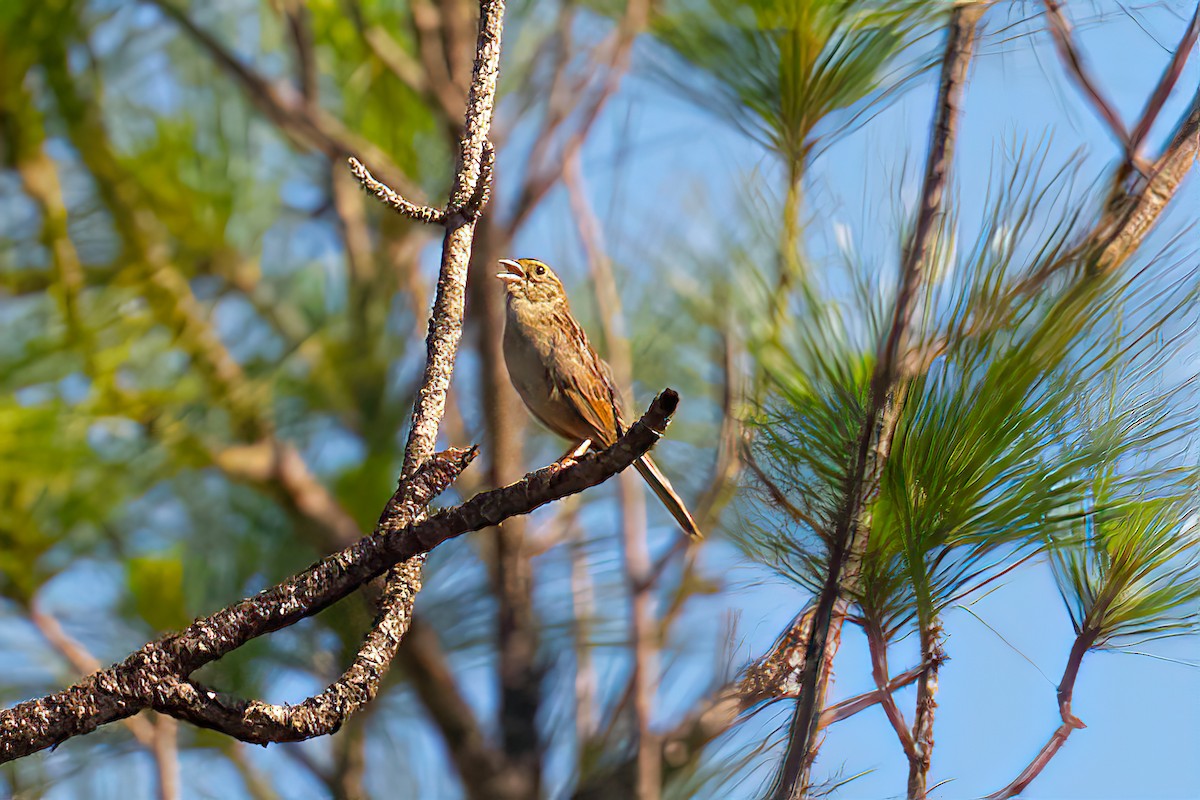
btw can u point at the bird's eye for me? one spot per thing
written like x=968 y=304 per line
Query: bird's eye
x=540 y=270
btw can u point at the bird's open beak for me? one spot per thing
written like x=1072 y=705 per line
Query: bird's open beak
x=515 y=271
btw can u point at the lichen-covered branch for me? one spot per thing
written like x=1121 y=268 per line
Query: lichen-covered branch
x=150 y=677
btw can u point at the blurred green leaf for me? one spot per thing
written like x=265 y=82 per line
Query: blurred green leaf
x=156 y=590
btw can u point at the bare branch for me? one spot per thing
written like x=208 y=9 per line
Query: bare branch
x=1060 y=29
x=427 y=21
x=852 y=705
x=150 y=677
x=397 y=60
x=420 y=213
x=1070 y=723
x=445 y=325
x=258 y=722
x=773 y=677
x=1165 y=84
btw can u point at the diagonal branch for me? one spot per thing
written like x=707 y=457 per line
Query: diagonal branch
x=147 y=677
x=852 y=705
x=390 y=198
x=887 y=393
x=147 y=728
x=1165 y=84
x=1060 y=29
x=1130 y=215
x=258 y=722
x=1070 y=723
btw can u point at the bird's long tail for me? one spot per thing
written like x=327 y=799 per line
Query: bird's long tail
x=666 y=493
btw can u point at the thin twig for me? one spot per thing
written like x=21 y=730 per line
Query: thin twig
x=1060 y=30
x=852 y=705
x=1070 y=723
x=1166 y=83
x=391 y=199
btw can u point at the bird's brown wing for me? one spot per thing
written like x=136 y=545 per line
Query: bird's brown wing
x=585 y=382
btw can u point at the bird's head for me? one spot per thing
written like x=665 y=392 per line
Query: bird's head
x=532 y=281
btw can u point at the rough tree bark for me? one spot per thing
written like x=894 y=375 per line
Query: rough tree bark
x=158 y=675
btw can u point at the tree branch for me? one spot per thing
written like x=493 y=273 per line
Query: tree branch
x=1165 y=84
x=1131 y=214
x=391 y=199
x=852 y=705
x=879 y=424
x=149 y=677
x=1060 y=30
x=1070 y=723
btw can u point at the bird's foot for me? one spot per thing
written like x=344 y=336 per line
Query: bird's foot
x=576 y=452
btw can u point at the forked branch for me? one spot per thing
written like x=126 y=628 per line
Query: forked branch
x=151 y=677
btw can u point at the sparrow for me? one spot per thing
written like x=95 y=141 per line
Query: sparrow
x=565 y=385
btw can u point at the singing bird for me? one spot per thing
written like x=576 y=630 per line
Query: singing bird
x=562 y=380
